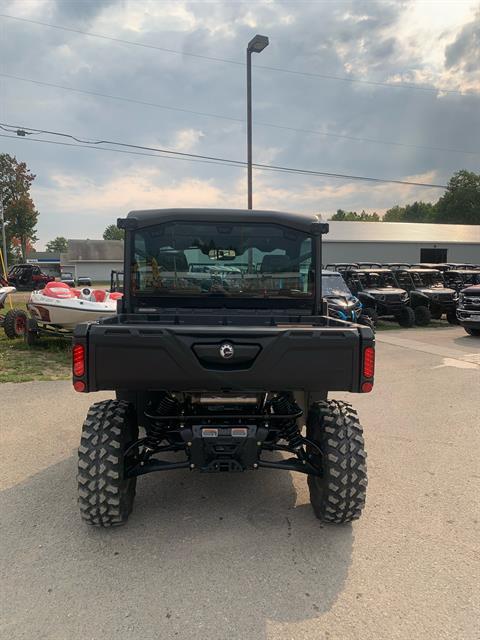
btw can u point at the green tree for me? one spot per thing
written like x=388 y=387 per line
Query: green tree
x=19 y=211
x=420 y=212
x=22 y=222
x=460 y=204
x=395 y=214
x=57 y=245
x=112 y=232
x=353 y=216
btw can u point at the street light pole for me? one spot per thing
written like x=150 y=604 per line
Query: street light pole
x=256 y=45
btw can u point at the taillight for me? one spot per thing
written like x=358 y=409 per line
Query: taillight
x=78 y=357
x=368 y=362
x=79 y=386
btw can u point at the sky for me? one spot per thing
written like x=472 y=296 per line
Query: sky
x=351 y=125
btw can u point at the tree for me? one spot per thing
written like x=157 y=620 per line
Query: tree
x=420 y=212
x=19 y=211
x=460 y=204
x=57 y=245
x=22 y=222
x=395 y=214
x=355 y=217
x=112 y=232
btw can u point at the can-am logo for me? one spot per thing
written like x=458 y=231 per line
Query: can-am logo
x=227 y=351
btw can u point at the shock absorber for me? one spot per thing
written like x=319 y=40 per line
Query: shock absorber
x=166 y=406
x=283 y=405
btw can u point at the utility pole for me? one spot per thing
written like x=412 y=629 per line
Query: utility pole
x=4 y=236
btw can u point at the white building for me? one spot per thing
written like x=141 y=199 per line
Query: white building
x=401 y=242
x=93 y=259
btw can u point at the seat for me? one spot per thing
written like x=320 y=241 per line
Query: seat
x=115 y=295
x=275 y=264
x=99 y=295
x=172 y=261
x=58 y=290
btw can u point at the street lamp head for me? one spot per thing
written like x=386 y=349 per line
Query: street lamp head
x=257 y=44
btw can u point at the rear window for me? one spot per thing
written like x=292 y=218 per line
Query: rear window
x=222 y=260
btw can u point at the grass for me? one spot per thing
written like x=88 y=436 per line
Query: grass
x=49 y=360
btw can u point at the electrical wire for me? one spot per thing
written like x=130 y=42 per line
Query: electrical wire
x=309 y=74
x=168 y=153
x=238 y=120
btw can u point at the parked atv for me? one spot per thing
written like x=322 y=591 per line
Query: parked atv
x=221 y=366
x=429 y=296
x=341 y=303
x=459 y=279
x=28 y=277
x=380 y=295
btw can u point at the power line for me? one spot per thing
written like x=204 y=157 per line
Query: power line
x=272 y=125
x=309 y=74
x=22 y=131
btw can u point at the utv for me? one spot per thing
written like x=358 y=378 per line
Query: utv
x=28 y=277
x=429 y=296
x=459 y=279
x=214 y=371
x=378 y=291
x=341 y=303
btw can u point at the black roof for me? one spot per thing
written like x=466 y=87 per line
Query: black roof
x=373 y=270
x=300 y=221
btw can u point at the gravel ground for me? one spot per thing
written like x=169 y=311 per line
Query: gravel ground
x=242 y=556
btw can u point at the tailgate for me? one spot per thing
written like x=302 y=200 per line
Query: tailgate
x=189 y=358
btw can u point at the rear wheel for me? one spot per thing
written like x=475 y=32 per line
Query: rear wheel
x=406 y=317
x=339 y=494
x=472 y=332
x=452 y=317
x=105 y=495
x=422 y=316
x=367 y=321
x=15 y=323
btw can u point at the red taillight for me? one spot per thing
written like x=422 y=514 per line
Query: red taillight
x=79 y=386
x=78 y=357
x=367 y=387
x=368 y=362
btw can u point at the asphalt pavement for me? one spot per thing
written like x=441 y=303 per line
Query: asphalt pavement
x=241 y=556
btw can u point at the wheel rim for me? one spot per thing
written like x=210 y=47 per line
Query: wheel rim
x=20 y=325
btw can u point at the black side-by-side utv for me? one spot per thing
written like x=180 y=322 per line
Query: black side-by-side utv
x=429 y=296
x=221 y=368
x=380 y=295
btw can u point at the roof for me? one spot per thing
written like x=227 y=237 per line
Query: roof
x=419 y=270
x=43 y=256
x=300 y=221
x=94 y=251
x=347 y=231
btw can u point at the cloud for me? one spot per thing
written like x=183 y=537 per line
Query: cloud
x=79 y=191
x=464 y=52
x=187 y=139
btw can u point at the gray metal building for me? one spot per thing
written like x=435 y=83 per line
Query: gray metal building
x=401 y=242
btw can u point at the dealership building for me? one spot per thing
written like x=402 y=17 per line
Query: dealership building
x=401 y=242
